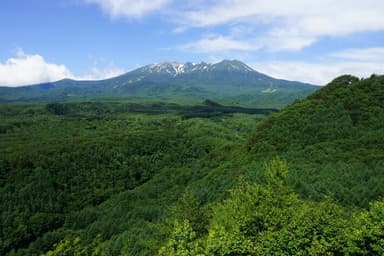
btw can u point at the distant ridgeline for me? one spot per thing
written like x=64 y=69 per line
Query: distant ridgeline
x=231 y=80
x=145 y=178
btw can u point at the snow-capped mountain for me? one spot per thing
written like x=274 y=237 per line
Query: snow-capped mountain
x=172 y=68
x=175 y=68
x=226 y=79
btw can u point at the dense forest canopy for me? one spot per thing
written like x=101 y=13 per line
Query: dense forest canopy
x=118 y=178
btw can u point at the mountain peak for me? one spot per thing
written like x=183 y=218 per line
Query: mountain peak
x=233 y=65
x=174 y=68
x=166 y=64
x=170 y=67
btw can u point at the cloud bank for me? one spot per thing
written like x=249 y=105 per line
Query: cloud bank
x=290 y=25
x=25 y=69
x=29 y=69
x=358 y=62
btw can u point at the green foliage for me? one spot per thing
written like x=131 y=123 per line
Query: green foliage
x=106 y=169
x=261 y=220
x=123 y=178
x=276 y=172
x=366 y=237
x=75 y=247
x=182 y=242
x=333 y=141
x=189 y=208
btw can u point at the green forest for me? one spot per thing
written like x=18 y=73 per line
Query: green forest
x=162 y=178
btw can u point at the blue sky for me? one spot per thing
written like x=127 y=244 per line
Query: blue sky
x=306 y=40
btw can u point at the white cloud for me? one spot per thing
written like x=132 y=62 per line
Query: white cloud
x=316 y=73
x=218 y=44
x=291 y=25
x=221 y=44
x=320 y=16
x=288 y=25
x=27 y=69
x=129 y=8
x=285 y=41
x=100 y=74
x=366 y=54
x=357 y=62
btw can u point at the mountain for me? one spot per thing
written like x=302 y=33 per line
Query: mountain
x=228 y=79
x=174 y=69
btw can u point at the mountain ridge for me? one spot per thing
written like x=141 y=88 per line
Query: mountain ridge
x=177 y=68
x=227 y=79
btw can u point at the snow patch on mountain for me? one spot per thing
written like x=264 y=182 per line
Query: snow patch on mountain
x=174 y=69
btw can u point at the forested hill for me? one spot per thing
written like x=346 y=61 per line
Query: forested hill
x=122 y=179
x=334 y=140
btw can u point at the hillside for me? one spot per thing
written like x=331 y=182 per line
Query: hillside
x=116 y=178
x=334 y=140
x=230 y=80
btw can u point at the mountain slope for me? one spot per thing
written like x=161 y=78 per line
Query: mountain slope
x=224 y=80
x=334 y=140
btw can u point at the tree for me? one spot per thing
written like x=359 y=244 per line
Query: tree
x=366 y=237
x=182 y=241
